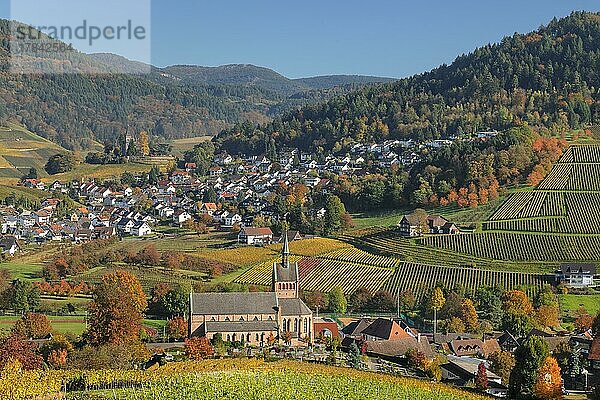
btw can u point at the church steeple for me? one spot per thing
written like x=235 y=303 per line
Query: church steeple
x=285 y=253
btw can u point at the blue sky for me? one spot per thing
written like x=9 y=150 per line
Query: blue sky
x=317 y=37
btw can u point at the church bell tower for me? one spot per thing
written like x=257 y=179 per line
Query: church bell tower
x=285 y=274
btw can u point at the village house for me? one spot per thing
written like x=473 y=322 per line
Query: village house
x=576 y=275
x=9 y=245
x=462 y=371
x=411 y=226
x=256 y=318
x=140 y=229
x=255 y=236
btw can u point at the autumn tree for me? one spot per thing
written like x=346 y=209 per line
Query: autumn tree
x=583 y=320
x=517 y=302
x=33 y=326
x=316 y=300
x=360 y=299
x=481 y=379
x=548 y=385
x=437 y=302
x=454 y=325
x=383 y=300
x=502 y=363
x=518 y=312
x=469 y=316
x=56 y=350
x=407 y=300
x=16 y=347
x=144 y=143
x=198 y=348
x=547 y=316
x=177 y=328
x=529 y=356
x=117 y=309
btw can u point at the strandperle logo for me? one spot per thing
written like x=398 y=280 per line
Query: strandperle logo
x=85 y=31
x=80 y=36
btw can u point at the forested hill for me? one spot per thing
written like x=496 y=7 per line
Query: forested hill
x=76 y=109
x=549 y=79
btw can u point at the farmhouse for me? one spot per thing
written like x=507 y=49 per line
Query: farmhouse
x=256 y=318
x=576 y=275
x=411 y=226
x=253 y=236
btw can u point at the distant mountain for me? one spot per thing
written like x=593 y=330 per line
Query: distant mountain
x=264 y=78
x=329 y=81
x=93 y=103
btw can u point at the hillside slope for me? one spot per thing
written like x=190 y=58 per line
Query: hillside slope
x=21 y=150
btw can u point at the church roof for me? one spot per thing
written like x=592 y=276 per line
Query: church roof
x=240 y=326
x=286 y=274
x=291 y=307
x=233 y=303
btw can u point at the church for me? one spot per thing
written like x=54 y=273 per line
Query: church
x=256 y=318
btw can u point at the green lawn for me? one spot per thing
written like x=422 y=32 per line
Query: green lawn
x=66 y=324
x=460 y=216
x=23 y=270
x=569 y=303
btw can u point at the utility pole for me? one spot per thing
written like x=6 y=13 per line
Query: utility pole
x=398 y=303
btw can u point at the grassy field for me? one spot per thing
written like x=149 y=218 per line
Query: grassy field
x=180 y=146
x=569 y=303
x=62 y=324
x=461 y=216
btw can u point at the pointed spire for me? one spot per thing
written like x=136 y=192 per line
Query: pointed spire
x=285 y=254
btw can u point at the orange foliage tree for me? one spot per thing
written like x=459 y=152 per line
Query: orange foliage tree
x=469 y=315
x=198 y=348
x=16 y=347
x=117 y=310
x=516 y=302
x=547 y=316
x=177 y=328
x=548 y=385
x=33 y=326
x=583 y=320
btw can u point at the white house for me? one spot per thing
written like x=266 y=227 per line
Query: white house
x=181 y=216
x=255 y=236
x=141 y=229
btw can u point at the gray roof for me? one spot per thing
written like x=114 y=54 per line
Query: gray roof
x=578 y=269
x=286 y=274
x=240 y=326
x=233 y=303
x=290 y=307
x=399 y=347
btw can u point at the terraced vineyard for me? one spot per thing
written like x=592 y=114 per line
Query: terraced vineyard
x=325 y=274
x=354 y=255
x=556 y=222
x=390 y=244
x=520 y=246
x=418 y=278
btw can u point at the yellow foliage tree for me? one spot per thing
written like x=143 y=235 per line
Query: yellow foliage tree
x=144 y=143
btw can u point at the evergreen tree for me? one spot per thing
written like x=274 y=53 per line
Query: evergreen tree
x=529 y=357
